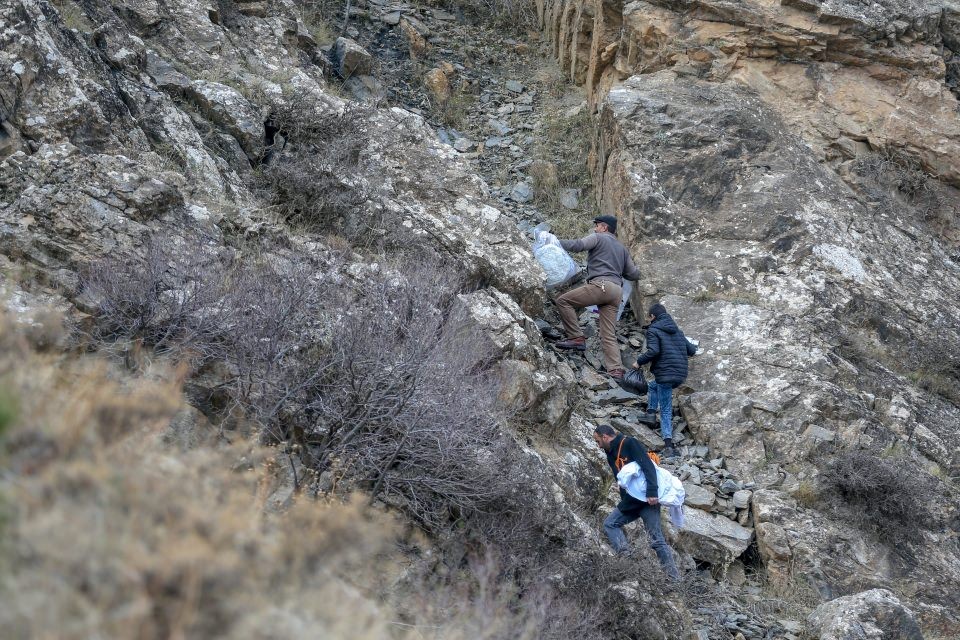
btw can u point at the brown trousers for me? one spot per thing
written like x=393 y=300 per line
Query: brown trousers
x=604 y=294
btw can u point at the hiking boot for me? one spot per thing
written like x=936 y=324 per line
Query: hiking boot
x=576 y=344
x=616 y=374
x=668 y=450
x=647 y=418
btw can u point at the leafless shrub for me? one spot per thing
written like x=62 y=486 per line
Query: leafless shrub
x=406 y=401
x=313 y=174
x=892 y=497
x=896 y=180
x=396 y=392
x=512 y=14
x=561 y=156
x=168 y=301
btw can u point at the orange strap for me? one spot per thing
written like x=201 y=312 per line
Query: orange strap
x=620 y=461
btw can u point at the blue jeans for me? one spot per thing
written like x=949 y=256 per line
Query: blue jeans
x=650 y=514
x=660 y=397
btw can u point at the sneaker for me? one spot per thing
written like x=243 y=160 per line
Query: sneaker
x=577 y=344
x=616 y=374
x=668 y=452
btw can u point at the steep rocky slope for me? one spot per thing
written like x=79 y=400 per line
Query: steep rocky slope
x=182 y=181
x=758 y=155
x=749 y=151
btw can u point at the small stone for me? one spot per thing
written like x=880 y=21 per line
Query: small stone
x=350 y=59
x=741 y=499
x=650 y=438
x=593 y=380
x=500 y=127
x=596 y=364
x=791 y=625
x=464 y=145
x=514 y=86
x=697 y=496
x=613 y=396
x=438 y=85
x=392 y=18
x=521 y=192
x=729 y=486
x=716 y=463
x=819 y=434
x=570 y=199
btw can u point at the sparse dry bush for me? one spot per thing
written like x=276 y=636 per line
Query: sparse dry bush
x=167 y=301
x=313 y=174
x=454 y=110
x=891 y=497
x=896 y=180
x=561 y=163
x=406 y=404
x=106 y=533
x=319 y=17
x=512 y=14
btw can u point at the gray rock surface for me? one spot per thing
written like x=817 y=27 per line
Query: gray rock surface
x=350 y=59
x=713 y=538
x=875 y=614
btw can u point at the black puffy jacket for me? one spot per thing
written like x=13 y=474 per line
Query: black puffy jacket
x=667 y=351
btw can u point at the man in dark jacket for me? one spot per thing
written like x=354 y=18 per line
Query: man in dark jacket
x=608 y=264
x=620 y=451
x=667 y=352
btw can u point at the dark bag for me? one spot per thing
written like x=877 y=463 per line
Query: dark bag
x=634 y=382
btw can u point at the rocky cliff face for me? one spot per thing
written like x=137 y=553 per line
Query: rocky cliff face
x=785 y=176
x=749 y=149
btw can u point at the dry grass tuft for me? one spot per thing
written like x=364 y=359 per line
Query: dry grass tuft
x=107 y=533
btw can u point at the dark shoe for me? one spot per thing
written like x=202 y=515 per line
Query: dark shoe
x=647 y=418
x=668 y=450
x=616 y=374
x=577 y=344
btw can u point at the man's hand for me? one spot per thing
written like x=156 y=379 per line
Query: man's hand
x=636 y=366
x=653 y=501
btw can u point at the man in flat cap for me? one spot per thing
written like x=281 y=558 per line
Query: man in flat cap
x=608 y=264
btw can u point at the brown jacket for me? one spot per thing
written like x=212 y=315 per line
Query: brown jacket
x=607 y=258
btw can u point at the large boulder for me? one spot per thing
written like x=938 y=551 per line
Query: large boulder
x=798 y=295
x=876 y=614
x=534 y=381
x=225 y=106
x=713 y=538
x=350 y=59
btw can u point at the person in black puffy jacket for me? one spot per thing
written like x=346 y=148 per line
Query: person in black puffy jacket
x=667 y=352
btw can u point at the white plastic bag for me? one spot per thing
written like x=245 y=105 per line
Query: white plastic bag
x=627 y=288
x=670 y=491
x=556 y=262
